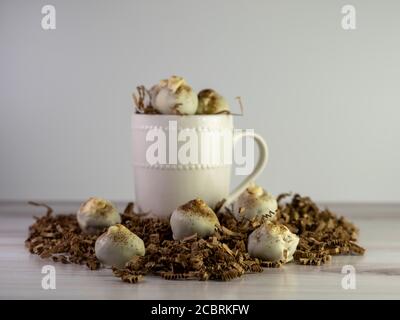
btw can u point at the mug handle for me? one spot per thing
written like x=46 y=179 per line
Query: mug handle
x=262 y=162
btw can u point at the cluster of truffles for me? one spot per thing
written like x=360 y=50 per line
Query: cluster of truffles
x=175 y=96
x=271 y=241
x=117 y=245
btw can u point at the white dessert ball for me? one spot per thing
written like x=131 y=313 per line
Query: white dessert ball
x=211 y=102
x=272 y=242
x=194 y=217
x=253 y=202
x=118 y=245
x=95 y=214
x=174 y=96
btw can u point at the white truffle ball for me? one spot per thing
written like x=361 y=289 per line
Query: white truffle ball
x=272 y=242
x=211 y=102
x=253 y=202
x=95 y=214
x=118 y=245
x=173 y=96
x=191 y=218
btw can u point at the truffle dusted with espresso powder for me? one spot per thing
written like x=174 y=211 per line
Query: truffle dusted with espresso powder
x=253 y=202
x=118 y=245
x=211 y=102
x=194 y=217
x=173 y=96
x=272 y=242
x=95 y=214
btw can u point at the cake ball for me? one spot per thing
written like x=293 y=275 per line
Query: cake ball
x=118 y=245
x=211 y=102
x=95 y=214
x=194 y=217
x=272 y=242
x=253 y=202
x=173 y=96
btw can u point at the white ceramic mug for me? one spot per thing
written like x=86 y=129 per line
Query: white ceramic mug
x=162 y=187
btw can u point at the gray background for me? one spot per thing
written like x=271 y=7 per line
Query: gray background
x=327 y=100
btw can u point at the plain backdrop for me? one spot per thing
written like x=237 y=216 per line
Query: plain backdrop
x=326 y=99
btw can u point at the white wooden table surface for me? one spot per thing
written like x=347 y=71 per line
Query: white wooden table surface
x=377 y=272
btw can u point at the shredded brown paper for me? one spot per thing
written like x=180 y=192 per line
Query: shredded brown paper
x=222 y=256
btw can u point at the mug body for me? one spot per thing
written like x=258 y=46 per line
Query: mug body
x=179 y=158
